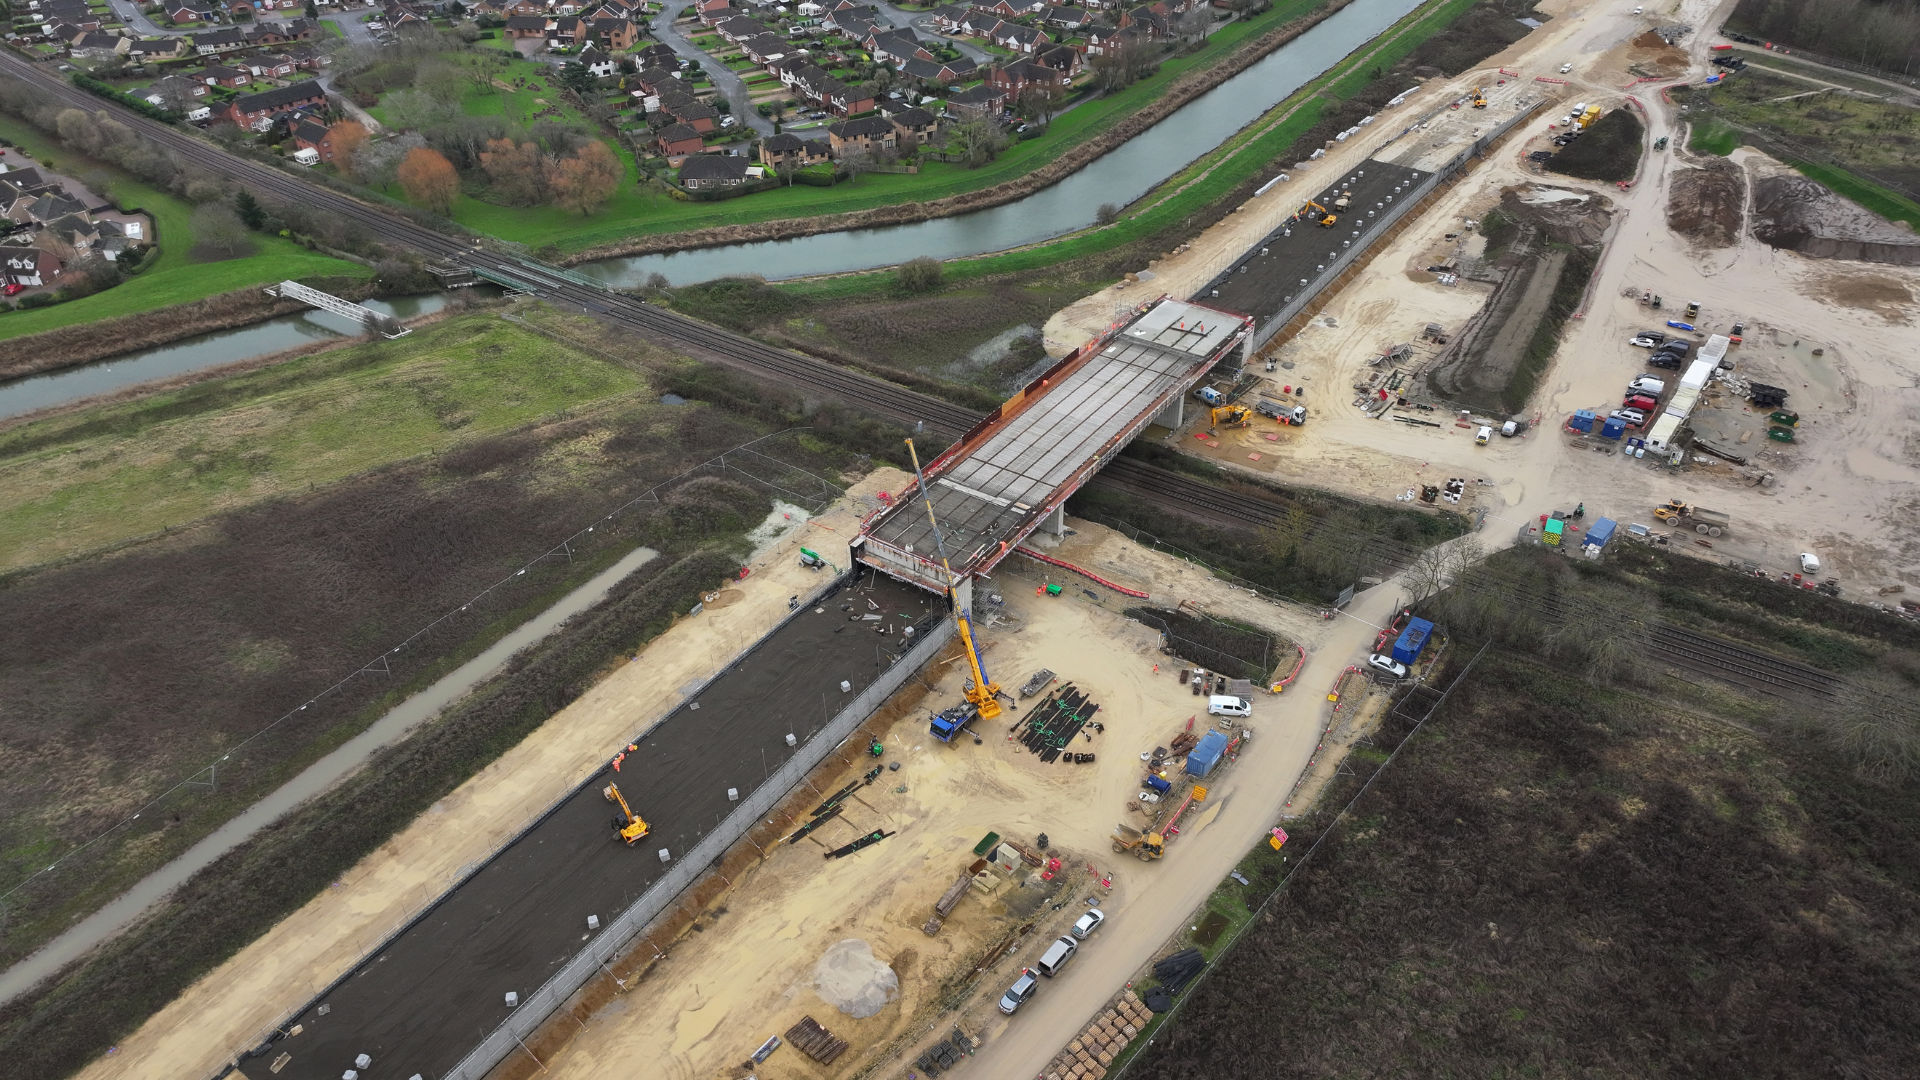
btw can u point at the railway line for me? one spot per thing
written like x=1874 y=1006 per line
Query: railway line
x=1751 y=667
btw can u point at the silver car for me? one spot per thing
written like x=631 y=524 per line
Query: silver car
x=1089 y=923
x=1022 y=989
x=1383 y=662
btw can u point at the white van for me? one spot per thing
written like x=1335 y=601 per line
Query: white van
x=1646 y=384
x=1227 y=705
x=1057 y=955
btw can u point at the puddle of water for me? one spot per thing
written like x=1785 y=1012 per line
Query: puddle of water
x=672 y=399
x=1210 y=929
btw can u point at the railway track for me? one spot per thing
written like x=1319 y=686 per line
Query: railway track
x=1752 y=667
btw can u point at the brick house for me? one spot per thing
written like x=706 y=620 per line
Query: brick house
x=679 y=140
x=617 y=34
x=706 y=172
x=31 y=267
x=785 y=150
x=913 y=127
x=311 y=134
x=871 y=134
x=527 y=26
x=232 y=78
x=256 y=111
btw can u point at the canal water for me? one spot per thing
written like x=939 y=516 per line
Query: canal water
x=1119 y=177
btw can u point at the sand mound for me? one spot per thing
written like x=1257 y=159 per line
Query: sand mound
x=1704 y=205
x=1791 y=211
x=850 y=978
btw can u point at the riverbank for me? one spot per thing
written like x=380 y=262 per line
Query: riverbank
x=1180 y=92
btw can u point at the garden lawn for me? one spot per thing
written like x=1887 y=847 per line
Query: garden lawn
x=87 y=479
x=175 y=277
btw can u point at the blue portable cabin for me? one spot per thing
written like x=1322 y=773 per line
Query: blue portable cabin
x=1202 y=759
x=1613 y=428
x=1413 y=639
x=1582 y=420
x=1601 y=532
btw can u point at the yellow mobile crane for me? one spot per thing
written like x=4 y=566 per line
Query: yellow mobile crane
x=981 y=693
x=632 y=829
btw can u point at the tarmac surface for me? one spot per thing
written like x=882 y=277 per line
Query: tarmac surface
x=423 y=1002
x=1263 y=282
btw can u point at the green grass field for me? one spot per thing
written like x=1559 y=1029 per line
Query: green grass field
x=87 y=479
x=1714 y=137
x=176 y=277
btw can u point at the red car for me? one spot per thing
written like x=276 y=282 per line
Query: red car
x=16 y=289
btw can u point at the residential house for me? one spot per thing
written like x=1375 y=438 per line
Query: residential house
x=1021 y=39
x=308 y=58
x=218 y=41
x=566 y=32
x=52 y=204
x=523 y=8
x=984 y=100
x=739 y=28
x=256 y=111
x=100 y=45
x=1016 y=76
x=977 y=22
x=311 y=134
x=527 y=26
x=913 y=127
x=940 y=72
x=174 y=88
x=564 y=7
x=620 y=9
x=266 y=33
x=231 y=78
x=948 y=17
x=598 y=63
x=653 y=79
x=705 y=172
x=1062 y=58
x=29 y=266
x=785 y=151
x=896 y=47
x=302 y=29
x=165 y=48
x=1148 y=19
x=77 y=229
x=617 y=33
x=657 y=55
x=850 y=100
x=118 y=236
x=1066 y=18
x=713 y=11
x=679 y=140
x=869 y=134
x=71 y=12
x=701 y=118
x=270 y=65
x=1007 y=9
x=189 y=11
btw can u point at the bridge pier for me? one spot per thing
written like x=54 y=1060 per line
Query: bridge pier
x=1174 y=415
x=1056 y=521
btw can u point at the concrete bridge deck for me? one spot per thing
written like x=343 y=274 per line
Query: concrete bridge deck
x=1012 y=473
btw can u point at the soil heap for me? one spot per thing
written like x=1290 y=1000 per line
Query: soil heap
x=850 y=978
x=1793 y=212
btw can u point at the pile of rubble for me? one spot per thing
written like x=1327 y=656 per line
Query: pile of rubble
x=1088 y=1055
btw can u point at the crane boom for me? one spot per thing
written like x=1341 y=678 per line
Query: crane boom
x=982 y=695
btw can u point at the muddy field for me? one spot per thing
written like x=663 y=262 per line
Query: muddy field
x=1793 y=212
x=1707 y=205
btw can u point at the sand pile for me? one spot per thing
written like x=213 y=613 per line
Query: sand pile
x=850 y=978
x=1705 y=205
x=1793 y=212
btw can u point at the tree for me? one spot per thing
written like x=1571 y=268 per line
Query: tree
x=1040 y=101
x=429 y=179
x=585 y=181
x=517 y=171
x=252 y=214
x=78 y=130
x=575 y=76
x=378 y=161
x=979 y=141
x=444 y=83
x=1107 y=214
x=416 y=109
x=313 y=10
x=346 y=137
x=218 y=232
x=920 y=275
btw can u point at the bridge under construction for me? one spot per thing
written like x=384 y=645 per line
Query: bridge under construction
x=1014 y=471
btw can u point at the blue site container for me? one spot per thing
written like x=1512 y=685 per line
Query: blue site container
x=1157 y=784
x=1613 y=428
x=1414 y=638
x=1601 y=532
x=1582 y=420
x=1204 y=757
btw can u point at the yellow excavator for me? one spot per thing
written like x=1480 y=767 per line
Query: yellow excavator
x=1328 y=218
x=1479 y=98
x=982 y=693
x=631 y=829
x=1232 y=416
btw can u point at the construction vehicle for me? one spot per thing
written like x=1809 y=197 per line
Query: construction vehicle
x=1232 y=416
x=1479 y=98
x=1329 y=218
x=951 y=722
x=1146 y=846
x=1704 y=521
x=981 y=692
x=1344 y=201
x=630 y=827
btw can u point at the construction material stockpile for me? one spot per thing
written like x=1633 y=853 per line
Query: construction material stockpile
x=1174 y=973
x=1055 y=722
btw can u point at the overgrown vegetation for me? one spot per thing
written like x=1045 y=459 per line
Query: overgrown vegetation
x=1575 y=273
x=1555 y=870
x=1877 y=33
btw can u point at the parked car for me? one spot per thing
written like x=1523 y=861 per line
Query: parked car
x=1564 y=68
x=1228 y=705
x=1677 y=348
x=1647 y=384
x=1633 y=417
x=1641 y=402
x=15 y=289
x=1383 y=662
x=1809 y=563
x=1664 y=360
x=1089 y=923
x=1642 y=341
x=1022 y=989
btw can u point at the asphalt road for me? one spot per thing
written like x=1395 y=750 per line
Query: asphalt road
x=434 y=992
x=1270 y=273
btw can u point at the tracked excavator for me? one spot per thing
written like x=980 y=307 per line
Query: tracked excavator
x=1232 y=416
x=1327 y=219
x=982 y=693
x=631 y=828
x=1479 y=98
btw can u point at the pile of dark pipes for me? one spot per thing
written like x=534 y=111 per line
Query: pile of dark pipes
x=1050 y=727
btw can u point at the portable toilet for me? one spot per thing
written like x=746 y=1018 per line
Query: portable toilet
x=1551 y=537
x=1202 y=759
x=1412 y=640
x=1601 y=532
x=1613 y=428
x=1582 y=420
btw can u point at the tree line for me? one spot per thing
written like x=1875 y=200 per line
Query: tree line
x=1879 y=33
